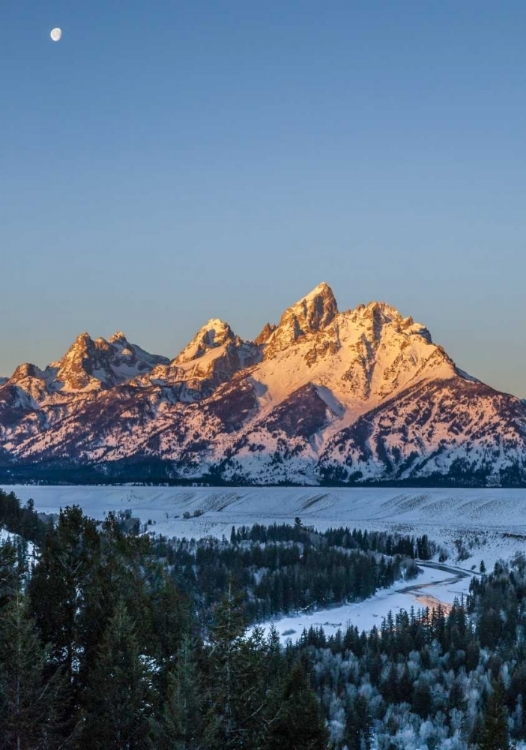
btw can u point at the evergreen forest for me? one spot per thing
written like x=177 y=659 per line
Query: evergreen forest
x=115 y=639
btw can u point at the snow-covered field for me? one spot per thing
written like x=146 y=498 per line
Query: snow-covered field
x=489 y=523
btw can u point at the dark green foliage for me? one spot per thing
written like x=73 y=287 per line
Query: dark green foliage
x=83 y=571
x=125 y=666
x=179 y=723
x=111 y=641
x=225 y=670
x=169 y=609
x=119 y=699
x=422 y=700
x=12 y=570
x=21 y=519
x=30 y=699
x=495 y=733
x=285 y=568
x=243 y=681
x=58 y=590
x=358 y=724
x=299 y=724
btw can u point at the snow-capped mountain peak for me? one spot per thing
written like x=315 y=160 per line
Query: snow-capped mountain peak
x=118 y=337
x=215 y=333
x=311 y=314
x=377 y=315
x=26 y=370
x=88 y=365
x=99 y=364
x=362 y=394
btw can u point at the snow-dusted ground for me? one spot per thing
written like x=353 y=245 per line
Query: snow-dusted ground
x=433 y=586
x=490 y=523
x=31 y=550
x=5 y=535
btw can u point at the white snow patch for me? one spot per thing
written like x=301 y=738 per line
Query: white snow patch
x=490 y=523
x=369 y=613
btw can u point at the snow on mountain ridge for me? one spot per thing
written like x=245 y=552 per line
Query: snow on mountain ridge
x=213 y=334
x=363 y=355
x=88 y=365
x=310 y=314
x=358 y=395
x=212 y=357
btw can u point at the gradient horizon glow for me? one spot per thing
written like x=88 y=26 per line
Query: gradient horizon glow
x=166 y=163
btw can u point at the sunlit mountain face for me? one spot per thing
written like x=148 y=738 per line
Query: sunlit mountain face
x=324 y=396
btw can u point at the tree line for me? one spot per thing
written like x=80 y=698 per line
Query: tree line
x=282 y=569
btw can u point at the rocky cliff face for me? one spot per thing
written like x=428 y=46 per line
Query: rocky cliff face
x=325 y=396
x=88 y=365
x=312 y=314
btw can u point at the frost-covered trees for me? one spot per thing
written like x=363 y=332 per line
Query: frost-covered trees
x=430 y=679
x=111 y=641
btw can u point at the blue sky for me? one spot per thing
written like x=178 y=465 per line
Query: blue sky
x=169 y=162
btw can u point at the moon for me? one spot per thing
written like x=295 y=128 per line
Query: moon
x=56 y=34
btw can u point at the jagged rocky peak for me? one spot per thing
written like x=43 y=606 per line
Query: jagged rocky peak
x=94 y=364
x=131 y=355
x=26 y=370
x=311 y=314
x=118 y=338
x=121 y=344
x=387 y=351
x=122 y=347
x=75 y=371
x=81 y=348
x=379 y=315
x=314 y=311
x=212 y=335
x=266 y=333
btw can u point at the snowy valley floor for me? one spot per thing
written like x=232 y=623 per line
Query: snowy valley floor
x=485 y=524
x=432 y=587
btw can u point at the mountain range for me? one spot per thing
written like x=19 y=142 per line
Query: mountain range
x=323 y=397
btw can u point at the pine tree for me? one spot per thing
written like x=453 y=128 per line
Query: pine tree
x=299 y=725
x=57 y=588
x=169 y=621
x=422 y=699
x=243 y=682
x=11 y=572
x=82 y=572
x=119 y=693
x=358 y=729
x=222 y=662
x=29 y=700
x=179 y=727
x=495 y=734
